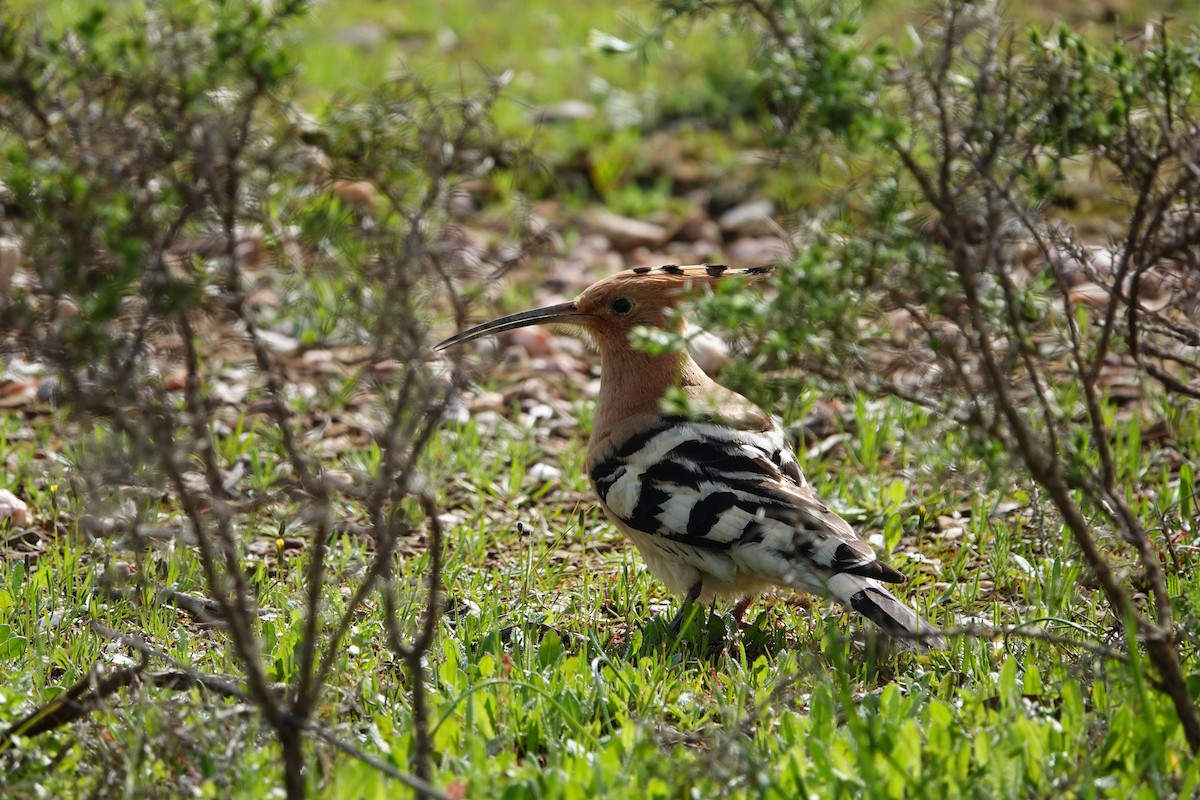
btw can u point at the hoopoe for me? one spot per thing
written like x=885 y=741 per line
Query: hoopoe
x=714 y=500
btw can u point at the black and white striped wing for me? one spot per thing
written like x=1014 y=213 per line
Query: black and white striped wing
x=716 y=488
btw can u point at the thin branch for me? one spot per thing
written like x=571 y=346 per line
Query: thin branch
x=230 y=689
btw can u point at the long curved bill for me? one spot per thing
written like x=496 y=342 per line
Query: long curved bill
x=563 y=312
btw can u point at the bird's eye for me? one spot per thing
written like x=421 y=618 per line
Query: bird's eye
x=621 y=306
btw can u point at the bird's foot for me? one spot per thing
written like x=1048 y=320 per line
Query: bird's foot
x=692 y=596
x=739 y=611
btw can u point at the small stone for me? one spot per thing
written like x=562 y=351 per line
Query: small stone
x=53 y=620
x=14 y=394
x=708 y=350
x=536 y=341
x=314 y=357
x=360 y=194
x=116 y=572
x=364 y=36
x=543 y=473
x=566 y=111
x=14 y=508
x=487 y=422
x=561 y=364
x=47 y=391
x=456 y=414
x=537 y=415
x=176 y=381
x=749 y=219
x=625 y=233
x=386 y=366
x=10 y=259
x=230 y=393
x=263 y=298
x=450 y=519
x=279 y=343
x=66 y=308
x=461 y=204
x=447 y=39
x=698 y=228
x=757 y=250
x=1089 y=294
x=695 y=253
x=487 y=401
x=335 y=445
x=338 y=479
x=92 y=525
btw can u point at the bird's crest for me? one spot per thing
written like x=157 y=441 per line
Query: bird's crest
x=656 y=288
x=673 y=275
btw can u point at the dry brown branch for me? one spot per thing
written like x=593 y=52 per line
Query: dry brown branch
x=183 y=677
x=159 y=287
x=967 y=152
x=77 y=701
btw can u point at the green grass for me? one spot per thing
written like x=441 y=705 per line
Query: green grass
x=553 y=675
x=699 y=82
x=550 y=54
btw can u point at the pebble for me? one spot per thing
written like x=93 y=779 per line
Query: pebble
x=337 y=479
x=537 y=413
x=10 y=259
x=317 y=357
x=566 y=111
x=487 y=401
x=365 y=36
x=176 y=380
x=560 y=364
x=707 y=349
x=697 y=227
x=624 y=233
x=757 y=250
x=66 y=308
x=749 y=219
x=543 y=473
x=1089 y=294
x=456 y=414
x=279 y=343
x=14 y=508
x=537 y=341
x=487 y=422
x=360 y=194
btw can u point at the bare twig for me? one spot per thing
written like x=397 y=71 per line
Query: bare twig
x=77 y=701
x=968 y=153
x=228 y=688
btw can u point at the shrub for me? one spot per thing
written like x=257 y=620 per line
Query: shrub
x=190 y=240
x=947 y=271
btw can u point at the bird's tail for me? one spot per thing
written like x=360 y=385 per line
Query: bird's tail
x=868 y=597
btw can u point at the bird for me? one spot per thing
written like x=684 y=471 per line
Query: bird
x=713 y=499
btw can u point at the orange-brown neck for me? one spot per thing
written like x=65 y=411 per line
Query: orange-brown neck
x=634 y=383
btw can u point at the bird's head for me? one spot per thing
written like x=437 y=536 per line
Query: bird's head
x=611 y=308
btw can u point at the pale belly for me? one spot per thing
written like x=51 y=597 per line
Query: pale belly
x=679 y=567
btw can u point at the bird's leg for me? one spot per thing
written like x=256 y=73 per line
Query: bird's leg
x=692 y=596
x=740 y=607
